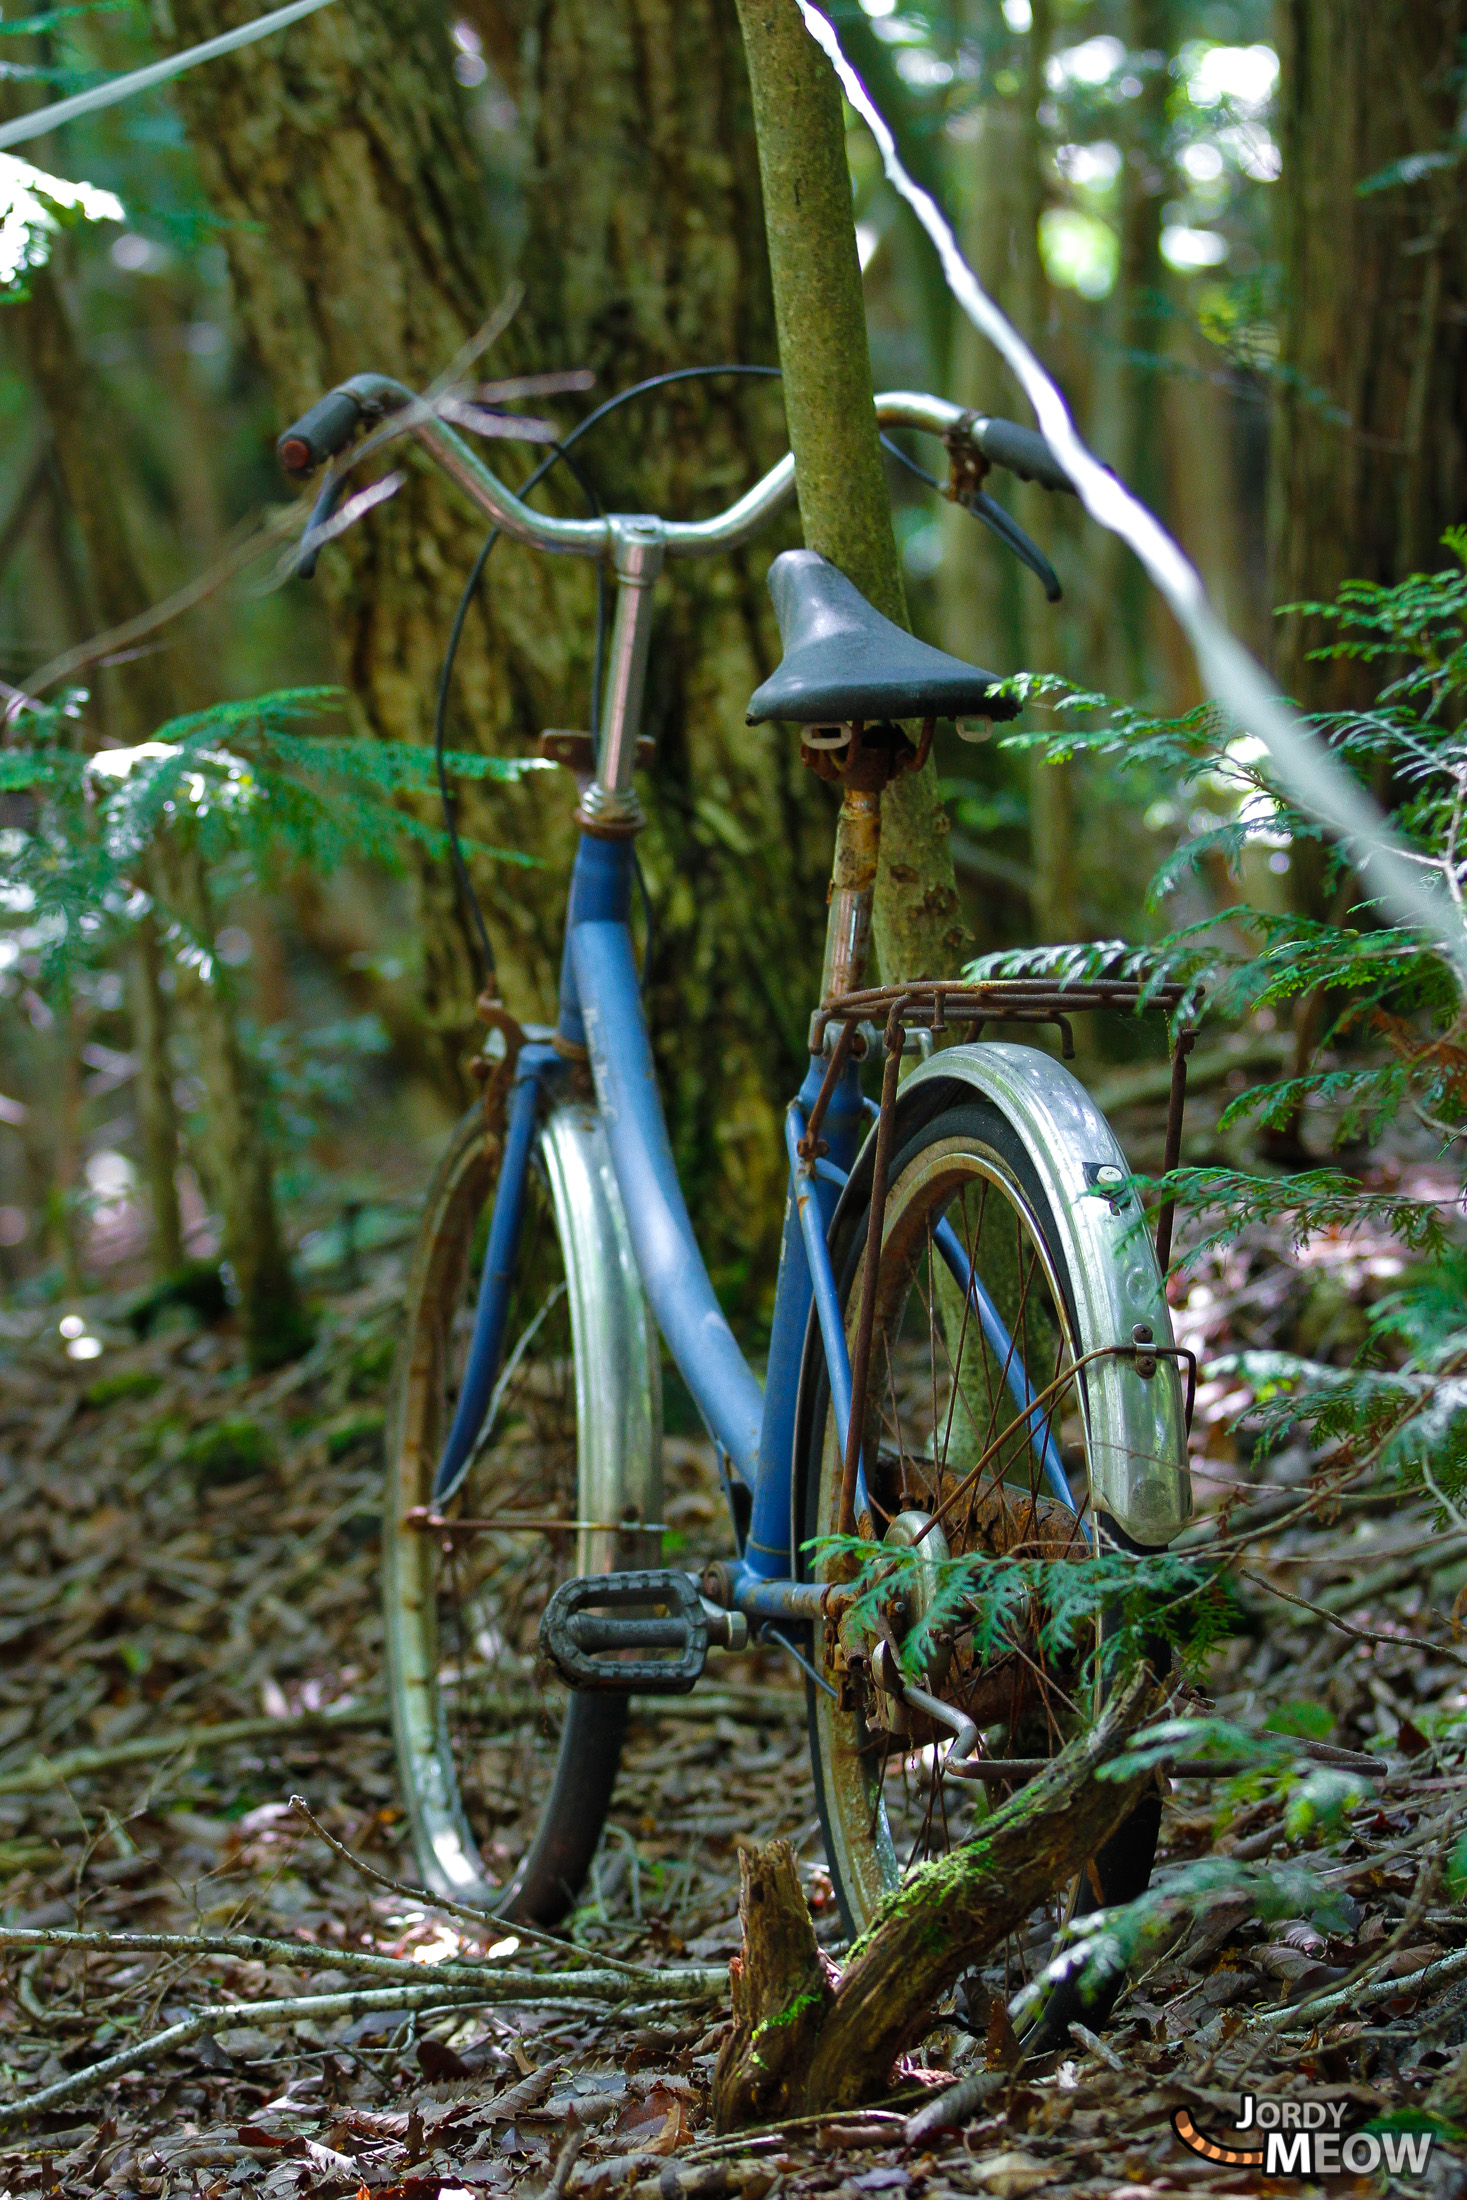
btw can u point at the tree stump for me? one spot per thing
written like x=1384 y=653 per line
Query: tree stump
x=781 y=1987
x=806 y=2039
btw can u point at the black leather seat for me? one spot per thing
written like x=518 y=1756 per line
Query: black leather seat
x=844 y=661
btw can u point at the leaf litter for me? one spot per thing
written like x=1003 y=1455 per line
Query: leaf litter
x=161 y=1583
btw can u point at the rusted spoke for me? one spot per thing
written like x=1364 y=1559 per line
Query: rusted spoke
x=957 y=1372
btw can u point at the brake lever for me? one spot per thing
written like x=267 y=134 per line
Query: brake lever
x=1012 y=536
x=331 y=492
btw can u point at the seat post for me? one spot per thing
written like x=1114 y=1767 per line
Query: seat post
x=609 y=807
x=868 y=767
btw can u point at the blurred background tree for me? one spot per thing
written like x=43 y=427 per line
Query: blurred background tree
x=1230 y=228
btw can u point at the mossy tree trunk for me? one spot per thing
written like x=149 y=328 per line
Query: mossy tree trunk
x=844 y=509
x=345 y=158
x=141 y=694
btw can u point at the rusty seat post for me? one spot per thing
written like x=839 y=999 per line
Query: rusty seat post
x=873 y=757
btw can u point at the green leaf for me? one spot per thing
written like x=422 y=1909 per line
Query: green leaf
x=1310 y=1722
x=1457 y=1871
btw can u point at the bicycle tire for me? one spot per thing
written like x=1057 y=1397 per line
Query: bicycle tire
x=970 y=1142
x=576 y=1427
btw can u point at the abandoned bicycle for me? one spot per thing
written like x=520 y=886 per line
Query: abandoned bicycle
x=971 y=1351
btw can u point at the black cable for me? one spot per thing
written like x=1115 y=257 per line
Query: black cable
x=560 y=450
x=488 y=976
x=991 y=512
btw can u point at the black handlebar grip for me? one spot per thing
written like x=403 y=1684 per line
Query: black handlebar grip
x=320 y=433
x=1023 y=451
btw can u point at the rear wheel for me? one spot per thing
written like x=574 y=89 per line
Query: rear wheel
x=950 y=1439
x=507 y=1781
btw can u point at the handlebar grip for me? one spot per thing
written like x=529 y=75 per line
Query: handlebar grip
x=320 y=433
x=1023 y=451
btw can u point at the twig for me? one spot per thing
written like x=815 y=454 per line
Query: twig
x=495 y=1986
x=234 y=1947
x=246 y=548
x=1364 y=1997
x=1452 y=1511
x=17 y=519
x=1351 y=1990
x=498 y=1924
x=1343 y=1627
x=43 y=1773
x=484 y=338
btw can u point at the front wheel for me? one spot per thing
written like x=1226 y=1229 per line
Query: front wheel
x=506 y=1783
x=950 y=1433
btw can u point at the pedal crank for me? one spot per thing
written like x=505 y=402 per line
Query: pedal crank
x=598 y=1629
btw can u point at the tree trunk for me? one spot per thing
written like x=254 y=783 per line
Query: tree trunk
x=844 y=510
x=157 y=1116
x=139 y=695
x=804 y=2041
x=343 y=158
x=1370 y=427
x=1131 y=386
x=1369 y=447
x=983 y=591
x=1056 y=903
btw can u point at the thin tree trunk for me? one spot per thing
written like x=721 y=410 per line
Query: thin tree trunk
x=1369 y=451
x=67 y=1185
x=157 y=1115
x=983 y=592
x=1370 y=426
x=139 y=694
x=1056 y=904
x=844 y=509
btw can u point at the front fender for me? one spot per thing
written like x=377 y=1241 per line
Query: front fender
x=1136 y=1428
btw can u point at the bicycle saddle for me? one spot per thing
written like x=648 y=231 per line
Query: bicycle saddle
x=844 y=661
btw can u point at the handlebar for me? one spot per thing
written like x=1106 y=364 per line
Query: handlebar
x=328 y=427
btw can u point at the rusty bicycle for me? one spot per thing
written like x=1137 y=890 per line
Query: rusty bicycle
x=971 y=1352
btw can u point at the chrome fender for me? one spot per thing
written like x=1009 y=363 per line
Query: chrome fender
x=1136 y=1427
x=619 y=1465
x=618 y=1360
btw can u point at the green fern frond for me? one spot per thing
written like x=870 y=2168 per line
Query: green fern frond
x=1302 y=1204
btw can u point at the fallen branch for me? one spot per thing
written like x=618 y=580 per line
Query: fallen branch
x=805 y=2038
x=233 y=1947
x=689 y=1981
x=43 y=1773
x=1343 y=1626
x=434 y=1992
x=1308 y=2014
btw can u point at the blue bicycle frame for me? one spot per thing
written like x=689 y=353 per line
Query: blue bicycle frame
x=601 y=1010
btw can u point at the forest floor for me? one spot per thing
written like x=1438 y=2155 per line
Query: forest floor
x=166 y=1570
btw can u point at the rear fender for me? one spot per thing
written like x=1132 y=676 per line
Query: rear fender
x=1136 y=1426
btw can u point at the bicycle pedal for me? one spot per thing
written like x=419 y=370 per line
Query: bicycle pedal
x=597 y=1627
